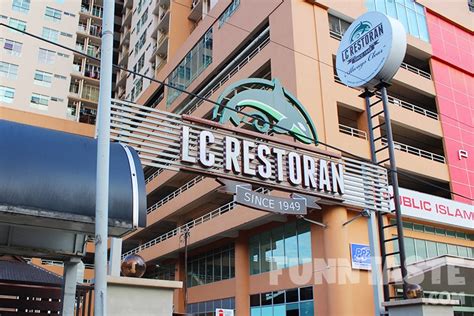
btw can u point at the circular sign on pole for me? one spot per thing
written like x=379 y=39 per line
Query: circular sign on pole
x=371 y=50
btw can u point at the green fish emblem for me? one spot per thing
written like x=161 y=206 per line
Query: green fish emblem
x=273 y=108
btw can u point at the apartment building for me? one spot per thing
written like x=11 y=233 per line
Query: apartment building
x=244 y=259
x=44 y=85
x=45 y=79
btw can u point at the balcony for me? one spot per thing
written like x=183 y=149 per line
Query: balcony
x=123 y=60
x=416 y=151
x=354 y=132
x=162 y=47
x=122 y=79
x=87 y=115
x=127 y=21
x=220 y=221
x=164 y=22
x=412 y=107
x=196 y=11
x=125 y=38
x=128 y=4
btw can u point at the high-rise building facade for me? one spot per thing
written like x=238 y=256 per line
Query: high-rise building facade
x=255 y=262
x=42 y=78
x=240 y=258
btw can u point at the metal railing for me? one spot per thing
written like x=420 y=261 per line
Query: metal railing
x=338 y=36
x=352 y=131
x=174 y=194
x=416 y=151
x=196 y=222
x=404 y=104
x=415 y=70
x=411 y=107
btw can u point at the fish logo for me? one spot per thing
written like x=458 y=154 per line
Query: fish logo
x=269 y=108
x=361 y=29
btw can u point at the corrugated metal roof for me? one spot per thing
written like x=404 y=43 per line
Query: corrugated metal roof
x=22 y=272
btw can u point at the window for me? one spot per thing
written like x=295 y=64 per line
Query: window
x=193 y=64
x=39 y=101
x=90 y=93
x=213 y=266
x=141 y=41
x=287 y=302
x=282 y=247
x=52 y=14
x=46 y=56
x=142 y=20
x=17 y=24
x=138 y=85
x=43 y=78
x=21 y=5
x=209 y=307
x=408 y=12
x=9 y=71
x=420 y=249
x=7 y=94
x=163 y=272
x=11 y=47
x=50 y=34
x=437 y=231
x=140 y=63
x=228 y=12
x=337 y=27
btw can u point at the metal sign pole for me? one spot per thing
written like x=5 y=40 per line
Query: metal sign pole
x=103 y=161
x=394 y=178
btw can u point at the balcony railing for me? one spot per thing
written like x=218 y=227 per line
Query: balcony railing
x=352 y=131
x=416 y=151
x=416 y=70
x=154 y=175
x=338 y=36
x=404 y=104
x=198 y=221
x=174 y=194
x=412 y=107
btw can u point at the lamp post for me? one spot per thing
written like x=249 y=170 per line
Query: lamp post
x=103 y=161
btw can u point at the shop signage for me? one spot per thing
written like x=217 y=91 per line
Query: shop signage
x=360 y=257
x=186 y=143
x=224 y=312
x=371 y=50
x=244 y=195
x=266 y=102
x=435 y=209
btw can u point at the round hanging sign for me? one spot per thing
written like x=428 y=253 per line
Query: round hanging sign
x=371 y=50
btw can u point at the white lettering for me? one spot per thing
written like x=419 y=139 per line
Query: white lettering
x=265 y=170
x=308 y=172
x=324 y=181
x=206 y=158
x=337 y=173
x=279 y=160
x=232 y=150
x=294 y=168
x=185 y=146
x=247 y=157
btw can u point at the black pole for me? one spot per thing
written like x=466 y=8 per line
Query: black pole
x=394 y=177
x=367 y=95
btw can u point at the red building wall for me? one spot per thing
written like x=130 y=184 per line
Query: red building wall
x=452 y=69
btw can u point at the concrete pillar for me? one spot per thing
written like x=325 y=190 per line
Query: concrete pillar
x=178 y=297
x=69 y=286
x=336 y=245
x=242 y=272
x=115 y=256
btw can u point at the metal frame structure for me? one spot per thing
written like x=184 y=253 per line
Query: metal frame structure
x=387 y=145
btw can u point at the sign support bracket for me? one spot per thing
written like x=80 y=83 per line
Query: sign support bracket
x=387 y=145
